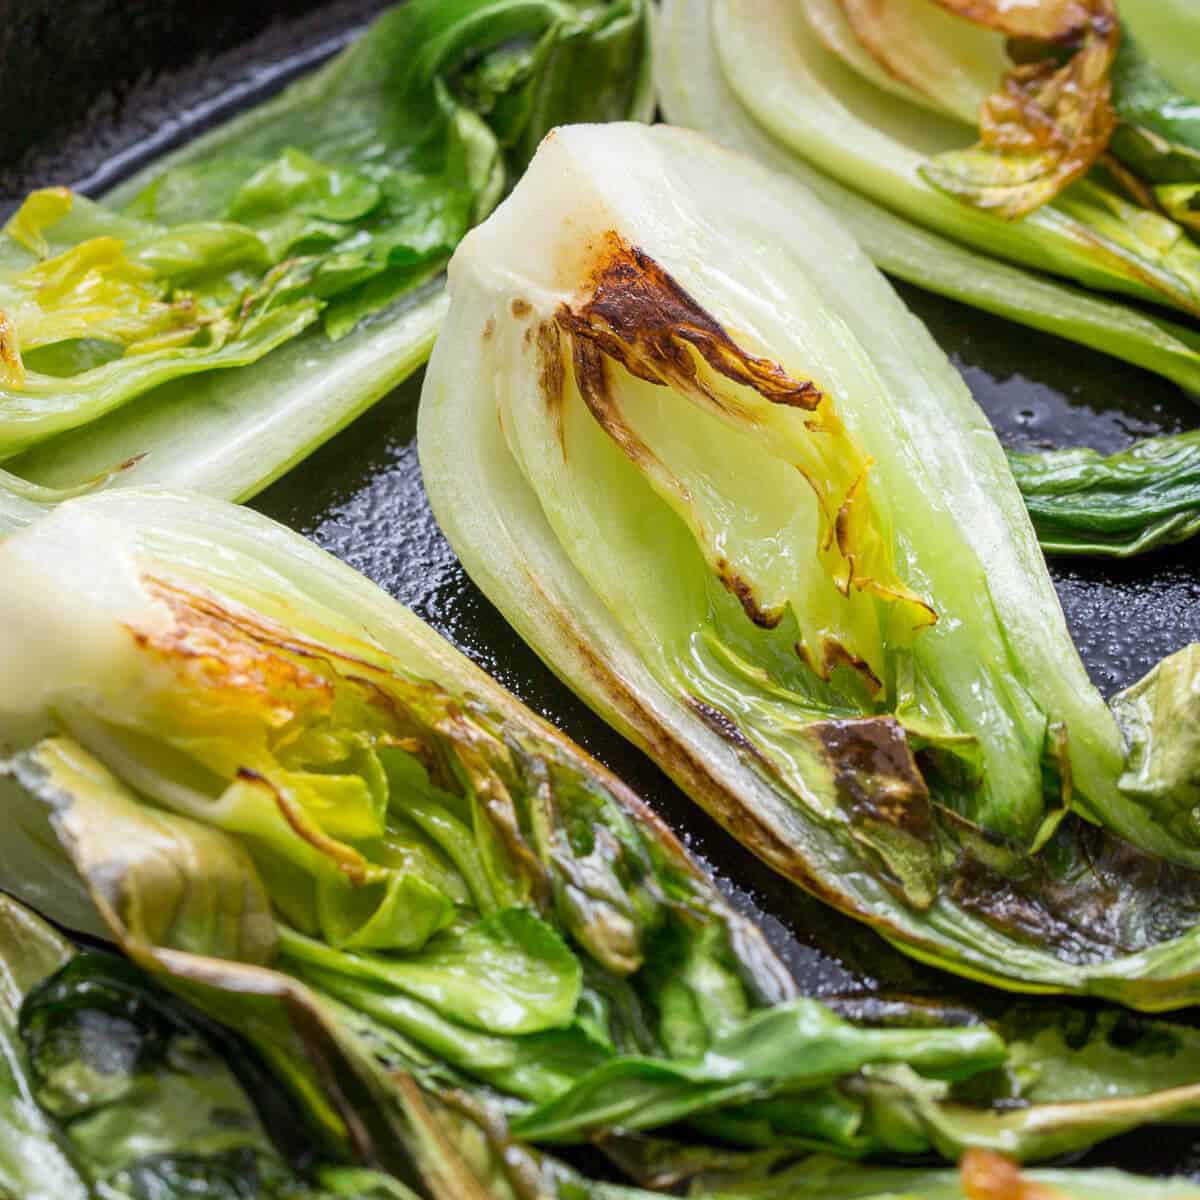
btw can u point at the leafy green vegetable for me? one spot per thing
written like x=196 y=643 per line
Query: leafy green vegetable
x=1166 y=29
x=149 y=1100
x=286 y=798
x=1083 y=502
x=34 y=1165
x=695 y=93
x=220 y=279
x=1159 y=133
x=733 y=492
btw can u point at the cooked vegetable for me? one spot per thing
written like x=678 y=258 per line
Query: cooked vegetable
x=734 y=494
x=283 y=795
x=867 y=147
x=1120 y=504
x=114 y=1089
x=1051 y=121
x=220 y=278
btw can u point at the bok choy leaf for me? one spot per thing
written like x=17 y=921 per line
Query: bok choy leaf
x=225 y=311
x=738 y=499
x=1083 y=502
x=450 y=935
x=115 y=1089
x=819 y=109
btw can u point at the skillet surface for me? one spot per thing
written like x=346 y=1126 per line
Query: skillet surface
x=86 y=100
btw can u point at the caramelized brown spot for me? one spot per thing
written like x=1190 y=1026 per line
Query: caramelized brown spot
x=552 y=376
x=834 y=654
x=489 y=328
x=12 y=369
x=876 y=774
x=639 y=315
x=521 y=308
x=591 y=377
x=737 y=586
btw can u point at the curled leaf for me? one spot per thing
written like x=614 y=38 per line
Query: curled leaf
x=1050 y=122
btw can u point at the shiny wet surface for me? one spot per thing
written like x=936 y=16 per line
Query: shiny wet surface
x=361 y=498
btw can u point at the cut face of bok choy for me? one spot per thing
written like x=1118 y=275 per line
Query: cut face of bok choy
x=286 y=798
x=222 y=313
x=819 y=112
x=731 y=490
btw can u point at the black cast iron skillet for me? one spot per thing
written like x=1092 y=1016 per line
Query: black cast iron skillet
x=92 y=89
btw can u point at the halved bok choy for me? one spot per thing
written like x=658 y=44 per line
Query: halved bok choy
x=219 y=315
x=733 y=493
x=288 y=800
x=793 y=86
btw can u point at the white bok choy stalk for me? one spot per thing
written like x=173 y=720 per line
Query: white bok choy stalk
x=734 y=494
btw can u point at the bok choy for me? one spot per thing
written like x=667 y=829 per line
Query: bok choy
x=730 y=489
x=222 y=313
x=116 y=1089
x=289 y=801
x=816 y=104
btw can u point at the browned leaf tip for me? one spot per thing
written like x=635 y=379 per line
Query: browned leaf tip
x=636 y=313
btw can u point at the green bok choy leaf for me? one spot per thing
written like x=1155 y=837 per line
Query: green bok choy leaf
x=225 y=311
x=861 y=153
x=1083 y=502
x=116 y=1089
x=735 y=495
x=285 y=797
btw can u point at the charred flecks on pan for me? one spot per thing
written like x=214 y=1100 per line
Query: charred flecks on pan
x=639 y=315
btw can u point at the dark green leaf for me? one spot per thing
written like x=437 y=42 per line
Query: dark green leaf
x=1083 y=502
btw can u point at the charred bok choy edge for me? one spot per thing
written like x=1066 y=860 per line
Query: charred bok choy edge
x=735 y=495
x=862 y=176
x=289 y=800
x=219 y=315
